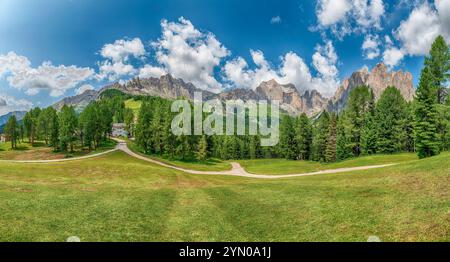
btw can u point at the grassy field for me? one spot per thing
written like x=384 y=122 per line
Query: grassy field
x=40 y=151
x=211 y=164
x=283 y=166
x=118 y=198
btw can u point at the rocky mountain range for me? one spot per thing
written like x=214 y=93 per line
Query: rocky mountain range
x=291 y=100
x=378 y=80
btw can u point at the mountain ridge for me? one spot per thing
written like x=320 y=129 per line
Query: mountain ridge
x=311 y=102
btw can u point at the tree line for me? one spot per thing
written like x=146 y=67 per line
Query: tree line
x=64 y=129
x=364 y=127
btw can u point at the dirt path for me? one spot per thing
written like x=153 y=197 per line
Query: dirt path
x=61 y=160
x=237 y=169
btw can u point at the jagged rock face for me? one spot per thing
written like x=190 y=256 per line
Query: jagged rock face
x=291 y=101
x=378 y=80
x=166 y=87
x=79 y=102
x=311 y=102
x=240 y=93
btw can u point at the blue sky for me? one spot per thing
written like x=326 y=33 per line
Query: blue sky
x=227 y=44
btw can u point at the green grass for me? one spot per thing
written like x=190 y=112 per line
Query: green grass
x=118 y=198
x=40 y=151
x=284 y=166
x=211 y=164
x=134 y=105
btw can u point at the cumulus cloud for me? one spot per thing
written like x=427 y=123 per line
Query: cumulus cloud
x=370 y=46
x=275 y=20
x=10 y=104
x=151 y=71
x=187 y=53
x=417 y=32
x=117 y=56
x=292 y=69
x=392 y=56
x=346 y=16
x=55 y=79
x=83 y=89
x=121 y=49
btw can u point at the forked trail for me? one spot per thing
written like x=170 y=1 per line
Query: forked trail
x=236 y=169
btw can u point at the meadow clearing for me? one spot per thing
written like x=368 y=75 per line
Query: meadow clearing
x=115 y=197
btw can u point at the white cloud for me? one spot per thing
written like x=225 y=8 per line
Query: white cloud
x=121 y=49
x=151 y=71
x=117 y=57
x=55 y=79
x=370 y=46
x=187 y=53
x=83 y=89
x=419 y=30
x=115 y=70
x=275 y=20
x=10 y=104
x=292 y=70
x=330 y=12
x=346 y=16
x=443 y=8
x=392 y=56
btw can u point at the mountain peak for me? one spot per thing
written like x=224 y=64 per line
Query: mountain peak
x=378 y=79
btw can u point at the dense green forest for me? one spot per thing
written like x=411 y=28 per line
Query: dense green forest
x=364 y=127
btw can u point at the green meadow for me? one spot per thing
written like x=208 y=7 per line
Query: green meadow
x=115 y=197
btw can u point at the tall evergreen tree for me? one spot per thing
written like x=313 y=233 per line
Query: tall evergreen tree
x=391 y=117
x=11 y=131
x=303 y=137
x=320 y=136
x=343 y=145
x=359 y=103
x=68 y=124
x=438 y=62
x=426 y=136
x=46 y=125
x=288 y=142
x=330 y=150
x=202 y=148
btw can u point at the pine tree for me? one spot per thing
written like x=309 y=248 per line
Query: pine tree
x=359 y=103
x=68 y=124
x=343 y=145
x=320 y=136
x=128 y=116
x=46 y=124
x=202 y=148
x=303 y=137
x=391 y=116
x=11 y=131
x=330 y=150
x=438 y=63
x=426 y=136
x=288 y=143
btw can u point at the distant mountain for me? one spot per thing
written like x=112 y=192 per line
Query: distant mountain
x=4 y=118
x=79 y=102
x=378 y=80
x=166 y=87
x=291 y=100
